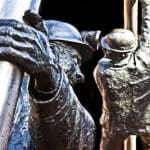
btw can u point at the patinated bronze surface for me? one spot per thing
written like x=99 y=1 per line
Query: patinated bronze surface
x=123 y=78
x=10 y=75
x=51 y=52
x=57 y=120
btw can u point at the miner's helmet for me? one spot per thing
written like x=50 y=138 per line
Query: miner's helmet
x=119 y=40
x=63 y=31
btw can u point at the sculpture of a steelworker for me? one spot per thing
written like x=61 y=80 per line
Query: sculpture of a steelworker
x=123 y=79
x=57 y=120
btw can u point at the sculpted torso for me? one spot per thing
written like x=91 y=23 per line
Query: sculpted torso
x=123 y=79
x=126 y=98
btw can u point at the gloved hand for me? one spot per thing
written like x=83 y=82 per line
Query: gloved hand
x=29 y=49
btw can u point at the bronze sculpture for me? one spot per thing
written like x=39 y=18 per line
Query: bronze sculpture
x=11 y=75
x=124 y=70
x=123 y=79
x=56 y=118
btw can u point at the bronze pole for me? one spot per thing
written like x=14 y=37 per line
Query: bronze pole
x=130 y=143
x=131 y=16
x=131 y=23
x=11 y=75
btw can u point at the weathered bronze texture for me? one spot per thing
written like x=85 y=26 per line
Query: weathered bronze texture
x=123 y=79
x=62 y=113
x=11 y=75
x=57 y=120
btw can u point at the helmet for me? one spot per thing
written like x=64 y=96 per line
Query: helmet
x=62 y=31
x=119 y=40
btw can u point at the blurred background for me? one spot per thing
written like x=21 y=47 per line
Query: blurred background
x=85 y=14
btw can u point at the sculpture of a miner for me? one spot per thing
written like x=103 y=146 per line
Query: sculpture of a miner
x=57 y=120
x=123 y=79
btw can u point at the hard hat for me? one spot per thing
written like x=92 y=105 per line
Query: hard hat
x=119 y=40
x=62 y=31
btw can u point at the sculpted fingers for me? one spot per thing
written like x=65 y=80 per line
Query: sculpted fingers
x=16 y=25
x=21 y=59
x=12 y=37
x=13 y=47
x=10 y=42
x=22 y=45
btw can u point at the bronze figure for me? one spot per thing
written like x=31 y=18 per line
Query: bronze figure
x=57 y=120
x=51 y=52
x=123 y=78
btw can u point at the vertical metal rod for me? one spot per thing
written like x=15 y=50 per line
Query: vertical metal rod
x=11 y=75
x=131 y=23
x=130 y=143
x=131 y=16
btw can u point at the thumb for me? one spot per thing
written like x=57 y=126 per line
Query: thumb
x=35 y=20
